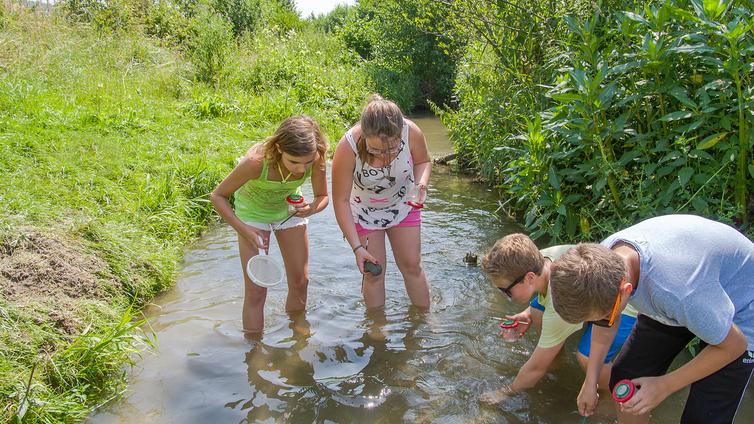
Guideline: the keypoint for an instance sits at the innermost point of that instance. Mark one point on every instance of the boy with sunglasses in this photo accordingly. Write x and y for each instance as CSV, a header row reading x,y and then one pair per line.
x,y
520,271
687,276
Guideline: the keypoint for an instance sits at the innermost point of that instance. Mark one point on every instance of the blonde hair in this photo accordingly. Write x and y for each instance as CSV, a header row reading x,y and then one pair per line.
x,y
297,136
584,280
513,256
380,118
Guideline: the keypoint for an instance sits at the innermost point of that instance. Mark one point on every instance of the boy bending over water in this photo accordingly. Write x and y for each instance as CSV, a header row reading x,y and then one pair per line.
x,y
687,276
521,271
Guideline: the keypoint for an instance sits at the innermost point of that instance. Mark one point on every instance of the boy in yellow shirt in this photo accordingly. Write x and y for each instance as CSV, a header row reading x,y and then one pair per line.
x,y
520,271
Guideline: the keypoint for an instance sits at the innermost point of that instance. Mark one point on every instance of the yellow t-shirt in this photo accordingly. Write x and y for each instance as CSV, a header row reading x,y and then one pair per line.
x,y
554,329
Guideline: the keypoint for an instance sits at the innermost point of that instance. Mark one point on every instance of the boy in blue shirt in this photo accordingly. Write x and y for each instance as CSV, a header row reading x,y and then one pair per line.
x,y
686,276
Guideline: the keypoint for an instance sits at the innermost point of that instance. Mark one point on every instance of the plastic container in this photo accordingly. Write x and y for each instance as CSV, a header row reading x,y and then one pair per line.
x,y
509,330
294,200
412,198
623,391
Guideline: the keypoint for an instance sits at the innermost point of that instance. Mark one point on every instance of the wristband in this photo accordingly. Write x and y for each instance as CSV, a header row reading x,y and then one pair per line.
x,y
358,247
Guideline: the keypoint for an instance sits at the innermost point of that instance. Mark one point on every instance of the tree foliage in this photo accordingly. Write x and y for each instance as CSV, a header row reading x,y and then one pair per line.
x,y
594,122
407,64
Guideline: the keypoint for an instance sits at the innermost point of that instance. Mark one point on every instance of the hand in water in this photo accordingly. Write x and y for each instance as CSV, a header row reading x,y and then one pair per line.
x,y
587,400
524,320
494,397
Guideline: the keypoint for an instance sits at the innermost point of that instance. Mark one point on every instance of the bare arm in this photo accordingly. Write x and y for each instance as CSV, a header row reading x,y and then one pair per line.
x,y
528,376
343,164
602,339
419,154
712,358
536,367
319,187
248,168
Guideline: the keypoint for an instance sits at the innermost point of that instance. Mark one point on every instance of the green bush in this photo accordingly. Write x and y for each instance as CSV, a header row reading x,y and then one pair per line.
x,y
652,115
107,15
165,20
407,63
615,117
210,44
244,15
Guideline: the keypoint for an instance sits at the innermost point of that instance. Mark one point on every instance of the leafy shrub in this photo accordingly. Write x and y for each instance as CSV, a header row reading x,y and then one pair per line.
x,y
632,114
244,15
165,20
109,15
210,44
407,63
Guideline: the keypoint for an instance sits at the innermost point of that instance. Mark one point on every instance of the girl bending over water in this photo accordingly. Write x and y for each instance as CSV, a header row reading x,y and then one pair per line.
x,y
378,164
262,180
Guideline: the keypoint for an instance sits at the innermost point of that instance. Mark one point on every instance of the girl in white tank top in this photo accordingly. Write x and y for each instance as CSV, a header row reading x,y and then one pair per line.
x,y
375,165
377,193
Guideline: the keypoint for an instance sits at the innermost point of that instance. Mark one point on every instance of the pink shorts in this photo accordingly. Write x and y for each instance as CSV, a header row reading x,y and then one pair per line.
x,y
413,219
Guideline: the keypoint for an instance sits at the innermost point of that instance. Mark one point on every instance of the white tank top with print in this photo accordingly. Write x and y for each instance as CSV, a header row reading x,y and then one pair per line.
x,y
377,194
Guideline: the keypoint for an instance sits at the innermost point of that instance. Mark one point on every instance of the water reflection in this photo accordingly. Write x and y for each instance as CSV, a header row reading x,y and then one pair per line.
x,y
294,376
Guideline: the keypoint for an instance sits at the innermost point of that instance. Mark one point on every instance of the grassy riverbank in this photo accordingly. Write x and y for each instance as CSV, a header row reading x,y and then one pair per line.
x,y
109,147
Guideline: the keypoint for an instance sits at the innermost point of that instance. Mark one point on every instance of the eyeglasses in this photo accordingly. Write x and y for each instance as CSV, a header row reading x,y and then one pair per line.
x,y
393,148
507,290
609,322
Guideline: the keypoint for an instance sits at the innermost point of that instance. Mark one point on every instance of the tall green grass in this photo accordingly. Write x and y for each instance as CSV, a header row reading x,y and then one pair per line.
x,y
110,143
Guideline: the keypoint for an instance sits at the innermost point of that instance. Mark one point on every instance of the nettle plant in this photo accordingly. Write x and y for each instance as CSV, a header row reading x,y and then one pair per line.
x,y
652,113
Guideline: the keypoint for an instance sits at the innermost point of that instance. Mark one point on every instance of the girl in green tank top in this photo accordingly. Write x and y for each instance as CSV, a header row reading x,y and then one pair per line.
x,y
260,184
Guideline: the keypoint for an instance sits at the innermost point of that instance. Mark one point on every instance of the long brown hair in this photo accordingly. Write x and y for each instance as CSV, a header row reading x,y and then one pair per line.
x,y
380,118
298,136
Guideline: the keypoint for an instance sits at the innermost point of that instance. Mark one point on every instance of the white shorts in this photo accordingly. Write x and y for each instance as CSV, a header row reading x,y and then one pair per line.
x,y
295,221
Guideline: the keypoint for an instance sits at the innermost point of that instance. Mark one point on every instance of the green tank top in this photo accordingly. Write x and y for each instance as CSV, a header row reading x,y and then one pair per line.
x,y
262,200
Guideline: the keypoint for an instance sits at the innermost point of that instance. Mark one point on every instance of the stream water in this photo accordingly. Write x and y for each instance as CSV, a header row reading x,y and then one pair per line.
x,y
337,364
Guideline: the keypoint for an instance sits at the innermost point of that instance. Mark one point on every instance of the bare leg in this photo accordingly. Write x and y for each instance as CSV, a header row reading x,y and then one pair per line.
x,y
604,380
254,297
294,245
373,287
377,320
406,244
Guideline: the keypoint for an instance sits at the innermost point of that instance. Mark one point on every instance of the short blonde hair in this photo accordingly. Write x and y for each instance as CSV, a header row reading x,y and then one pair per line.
x,y
513,256
584,280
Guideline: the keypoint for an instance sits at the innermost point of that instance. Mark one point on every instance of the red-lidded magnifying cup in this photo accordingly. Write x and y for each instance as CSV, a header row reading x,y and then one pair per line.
x,y
295,199
623,391
509,329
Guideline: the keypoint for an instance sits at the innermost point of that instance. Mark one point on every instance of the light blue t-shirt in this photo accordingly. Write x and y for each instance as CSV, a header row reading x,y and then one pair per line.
x,y
694,273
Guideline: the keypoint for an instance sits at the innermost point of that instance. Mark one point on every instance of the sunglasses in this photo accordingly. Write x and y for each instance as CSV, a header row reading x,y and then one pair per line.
x,y
507,290
609,322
